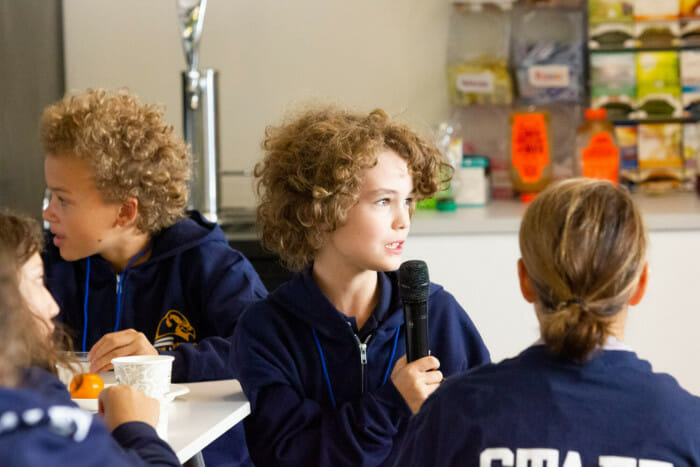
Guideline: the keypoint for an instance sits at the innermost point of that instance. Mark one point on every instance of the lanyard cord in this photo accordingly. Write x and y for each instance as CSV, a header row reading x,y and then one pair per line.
x,y
119,294
323,365
121,281
325,370
85,302
391,359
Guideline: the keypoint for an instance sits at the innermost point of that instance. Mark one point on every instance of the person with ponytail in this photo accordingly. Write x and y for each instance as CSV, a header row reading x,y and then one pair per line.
x,y
578,396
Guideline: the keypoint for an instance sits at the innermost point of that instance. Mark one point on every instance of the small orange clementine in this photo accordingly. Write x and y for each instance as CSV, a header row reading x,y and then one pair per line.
x,y
86,386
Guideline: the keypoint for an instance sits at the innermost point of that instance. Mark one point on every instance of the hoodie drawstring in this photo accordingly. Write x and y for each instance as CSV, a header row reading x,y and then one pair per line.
x,y
119,293
325,370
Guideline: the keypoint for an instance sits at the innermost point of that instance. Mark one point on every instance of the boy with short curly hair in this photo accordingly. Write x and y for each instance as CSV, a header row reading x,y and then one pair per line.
x,y
132,272
130,149
320,359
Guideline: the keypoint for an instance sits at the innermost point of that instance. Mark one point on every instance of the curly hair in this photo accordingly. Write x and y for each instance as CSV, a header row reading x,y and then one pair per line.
x,y
583,244
312,173
132,152
24,345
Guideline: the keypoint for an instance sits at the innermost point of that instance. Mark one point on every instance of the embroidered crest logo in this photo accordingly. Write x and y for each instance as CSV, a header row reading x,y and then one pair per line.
x,y
174,329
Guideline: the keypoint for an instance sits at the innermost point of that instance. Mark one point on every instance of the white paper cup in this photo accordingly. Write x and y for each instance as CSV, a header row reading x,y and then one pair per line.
x,y
148,373
66,374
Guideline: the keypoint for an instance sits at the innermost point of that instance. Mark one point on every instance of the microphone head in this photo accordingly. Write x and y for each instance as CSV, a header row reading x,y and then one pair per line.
x,y
414,284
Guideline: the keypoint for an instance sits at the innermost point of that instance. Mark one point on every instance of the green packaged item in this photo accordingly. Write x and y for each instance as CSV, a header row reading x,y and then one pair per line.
x,y
610,22
614,82
658,83
610,11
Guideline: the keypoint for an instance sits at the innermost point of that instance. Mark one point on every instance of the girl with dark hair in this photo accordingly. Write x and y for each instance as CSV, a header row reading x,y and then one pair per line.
x,y
39,424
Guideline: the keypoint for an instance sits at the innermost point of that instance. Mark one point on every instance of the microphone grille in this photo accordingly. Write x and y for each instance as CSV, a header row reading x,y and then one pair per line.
x,y
414,283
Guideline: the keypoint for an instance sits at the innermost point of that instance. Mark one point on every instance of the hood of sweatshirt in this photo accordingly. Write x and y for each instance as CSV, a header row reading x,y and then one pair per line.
x,y
302,297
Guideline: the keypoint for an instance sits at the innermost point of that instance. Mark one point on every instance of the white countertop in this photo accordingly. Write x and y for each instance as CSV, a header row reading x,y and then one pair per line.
x,y
678,211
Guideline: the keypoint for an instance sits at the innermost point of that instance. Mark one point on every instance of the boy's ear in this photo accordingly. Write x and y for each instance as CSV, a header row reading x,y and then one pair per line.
x,y
128,212
641,286
525,284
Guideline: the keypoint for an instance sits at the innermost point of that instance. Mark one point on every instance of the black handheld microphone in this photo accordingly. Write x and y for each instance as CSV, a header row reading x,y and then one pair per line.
x,y
414,288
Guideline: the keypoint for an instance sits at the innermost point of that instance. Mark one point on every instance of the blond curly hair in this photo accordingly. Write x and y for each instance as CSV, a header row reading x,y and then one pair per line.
x,y
312,173
130,149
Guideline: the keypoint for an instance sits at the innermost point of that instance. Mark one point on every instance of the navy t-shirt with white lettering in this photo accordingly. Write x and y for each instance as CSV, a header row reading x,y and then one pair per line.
x,y
536,410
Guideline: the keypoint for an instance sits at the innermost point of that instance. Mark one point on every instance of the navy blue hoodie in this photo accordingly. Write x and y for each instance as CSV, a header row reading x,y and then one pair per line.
x,y
535,409
45,428
191,289
313,401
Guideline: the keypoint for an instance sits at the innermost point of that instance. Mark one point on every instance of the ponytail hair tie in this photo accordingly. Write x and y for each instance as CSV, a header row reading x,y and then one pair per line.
x,y
576,300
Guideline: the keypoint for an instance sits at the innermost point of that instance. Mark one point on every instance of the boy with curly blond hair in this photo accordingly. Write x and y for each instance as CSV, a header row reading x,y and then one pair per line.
x,y
132,272
322,359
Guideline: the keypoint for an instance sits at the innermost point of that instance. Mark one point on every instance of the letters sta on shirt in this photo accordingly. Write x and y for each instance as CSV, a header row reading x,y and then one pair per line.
x,y
543,457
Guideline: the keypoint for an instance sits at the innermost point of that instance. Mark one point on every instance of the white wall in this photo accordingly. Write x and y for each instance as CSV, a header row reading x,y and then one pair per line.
x,y
270,54
480,271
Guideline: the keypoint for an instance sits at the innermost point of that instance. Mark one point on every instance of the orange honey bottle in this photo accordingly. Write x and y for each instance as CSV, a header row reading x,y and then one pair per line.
x,y
597,154
530,150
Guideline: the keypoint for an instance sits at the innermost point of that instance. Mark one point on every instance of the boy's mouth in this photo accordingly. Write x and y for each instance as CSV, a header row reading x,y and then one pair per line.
x,y
394,246
58,239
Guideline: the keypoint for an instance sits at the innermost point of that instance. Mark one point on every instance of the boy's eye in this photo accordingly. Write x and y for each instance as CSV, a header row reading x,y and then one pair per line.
x,y
409,201
383,202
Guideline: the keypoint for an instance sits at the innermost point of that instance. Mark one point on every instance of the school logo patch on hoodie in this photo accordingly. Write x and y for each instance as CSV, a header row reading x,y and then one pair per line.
x,y
174,329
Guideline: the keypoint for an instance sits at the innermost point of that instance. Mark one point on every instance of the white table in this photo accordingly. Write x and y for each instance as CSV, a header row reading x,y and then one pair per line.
x,y
199,417
206,412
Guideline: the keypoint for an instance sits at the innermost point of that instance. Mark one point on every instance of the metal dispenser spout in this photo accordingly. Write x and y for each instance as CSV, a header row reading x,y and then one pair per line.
x,y
200,122
191,16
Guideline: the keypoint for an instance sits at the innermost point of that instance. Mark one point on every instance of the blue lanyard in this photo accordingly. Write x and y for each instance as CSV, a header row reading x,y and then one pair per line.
x,y
119,293
325,370
121,281
85,302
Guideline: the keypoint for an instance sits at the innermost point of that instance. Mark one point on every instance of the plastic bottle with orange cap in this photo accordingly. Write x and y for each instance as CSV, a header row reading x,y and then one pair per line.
x,y
597,152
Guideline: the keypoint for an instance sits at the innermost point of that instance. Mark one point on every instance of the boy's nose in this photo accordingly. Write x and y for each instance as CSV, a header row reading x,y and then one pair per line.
x,y
402,220
48,214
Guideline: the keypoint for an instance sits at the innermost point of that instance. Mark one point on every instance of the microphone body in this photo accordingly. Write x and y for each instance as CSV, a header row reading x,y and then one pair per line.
x,y
414,289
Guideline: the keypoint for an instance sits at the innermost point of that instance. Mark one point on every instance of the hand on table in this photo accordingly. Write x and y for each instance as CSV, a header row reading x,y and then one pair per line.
x,y
416,380
121,404
118,344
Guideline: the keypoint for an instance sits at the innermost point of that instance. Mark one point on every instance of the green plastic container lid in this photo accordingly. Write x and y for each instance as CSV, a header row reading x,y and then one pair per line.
x,y
446,205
